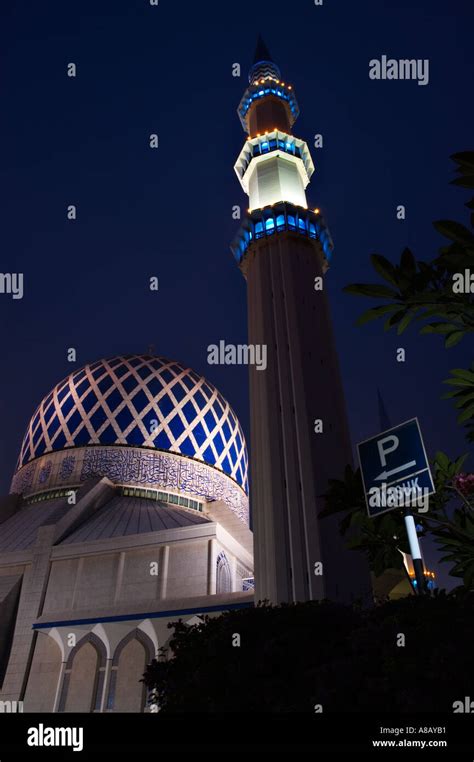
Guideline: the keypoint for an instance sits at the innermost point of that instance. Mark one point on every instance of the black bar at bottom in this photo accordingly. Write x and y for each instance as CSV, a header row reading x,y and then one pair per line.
x,y
432,736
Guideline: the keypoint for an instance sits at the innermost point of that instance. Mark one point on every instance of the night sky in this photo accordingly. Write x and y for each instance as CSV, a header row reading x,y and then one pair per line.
x,y
168,212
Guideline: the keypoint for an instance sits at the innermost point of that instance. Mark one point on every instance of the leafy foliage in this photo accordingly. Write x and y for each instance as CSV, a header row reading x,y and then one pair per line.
x,y
454,533
294,657
422,291
463,397
444,473
457,543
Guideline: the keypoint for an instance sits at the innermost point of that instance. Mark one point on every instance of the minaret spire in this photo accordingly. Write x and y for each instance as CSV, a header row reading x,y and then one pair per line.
x,y
299,434
261,51
264,66
384,420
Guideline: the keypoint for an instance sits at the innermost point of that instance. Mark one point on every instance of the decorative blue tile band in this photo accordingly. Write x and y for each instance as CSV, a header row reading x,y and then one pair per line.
x,y
269,87
271,220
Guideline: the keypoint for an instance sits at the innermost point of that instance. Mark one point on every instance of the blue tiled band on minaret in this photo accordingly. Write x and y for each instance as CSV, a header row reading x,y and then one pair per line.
x,y
279,218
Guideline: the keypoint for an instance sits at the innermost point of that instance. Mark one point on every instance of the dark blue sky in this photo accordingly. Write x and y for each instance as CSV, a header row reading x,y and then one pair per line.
x,y
168,69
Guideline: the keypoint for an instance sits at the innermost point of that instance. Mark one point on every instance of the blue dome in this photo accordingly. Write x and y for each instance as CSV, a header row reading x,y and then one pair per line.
x,y
140,401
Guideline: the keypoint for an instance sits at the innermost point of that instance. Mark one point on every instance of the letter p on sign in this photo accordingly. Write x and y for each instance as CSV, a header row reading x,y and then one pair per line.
x,y
383,451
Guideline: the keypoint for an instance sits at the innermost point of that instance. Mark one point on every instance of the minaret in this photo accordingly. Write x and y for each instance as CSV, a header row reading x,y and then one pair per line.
x,y
384,420
283,250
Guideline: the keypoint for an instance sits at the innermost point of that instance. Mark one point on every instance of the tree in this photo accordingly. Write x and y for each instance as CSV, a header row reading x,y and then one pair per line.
x,y
463,397
320,655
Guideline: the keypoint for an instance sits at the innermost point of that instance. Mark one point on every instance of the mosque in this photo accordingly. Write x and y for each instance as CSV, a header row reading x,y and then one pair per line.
x,y
128,509
129,505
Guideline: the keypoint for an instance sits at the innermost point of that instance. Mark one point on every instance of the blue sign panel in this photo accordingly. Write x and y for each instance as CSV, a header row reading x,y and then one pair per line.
x,y
395,469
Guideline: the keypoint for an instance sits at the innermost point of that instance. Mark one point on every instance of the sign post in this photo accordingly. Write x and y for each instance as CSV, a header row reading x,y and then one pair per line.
x,y
396,474
415,552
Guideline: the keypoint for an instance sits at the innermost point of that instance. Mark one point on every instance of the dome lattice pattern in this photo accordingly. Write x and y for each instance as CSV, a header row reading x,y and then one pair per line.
x,y
140,401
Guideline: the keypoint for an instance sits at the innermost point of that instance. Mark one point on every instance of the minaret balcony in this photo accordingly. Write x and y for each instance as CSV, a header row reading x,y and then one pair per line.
x,y
267,88
282,218
273,143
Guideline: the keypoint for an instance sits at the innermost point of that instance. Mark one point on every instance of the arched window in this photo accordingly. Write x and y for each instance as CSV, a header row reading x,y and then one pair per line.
x,y
223,577
83,681
126,692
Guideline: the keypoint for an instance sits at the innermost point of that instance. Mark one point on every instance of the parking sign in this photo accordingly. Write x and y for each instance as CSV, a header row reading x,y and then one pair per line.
x,y
395,462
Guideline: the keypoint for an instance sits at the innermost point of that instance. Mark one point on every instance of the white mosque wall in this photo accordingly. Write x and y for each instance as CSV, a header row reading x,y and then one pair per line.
x,y
44,675
96,582
102,671
98,592
188,570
